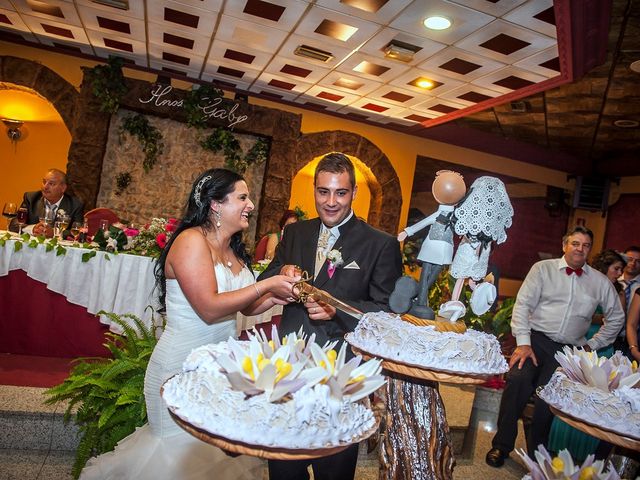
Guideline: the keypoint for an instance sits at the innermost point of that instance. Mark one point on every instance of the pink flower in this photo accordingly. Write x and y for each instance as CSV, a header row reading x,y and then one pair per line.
x,y
131,232
331,269
161,240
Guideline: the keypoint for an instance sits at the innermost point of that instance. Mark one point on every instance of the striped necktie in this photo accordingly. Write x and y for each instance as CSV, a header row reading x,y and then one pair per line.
x,y
323,249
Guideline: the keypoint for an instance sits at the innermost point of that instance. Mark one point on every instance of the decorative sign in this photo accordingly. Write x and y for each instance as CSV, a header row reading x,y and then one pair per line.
x,y
213,108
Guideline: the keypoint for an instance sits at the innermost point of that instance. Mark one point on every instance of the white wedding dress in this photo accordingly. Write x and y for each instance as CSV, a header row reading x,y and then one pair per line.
x,y
161,449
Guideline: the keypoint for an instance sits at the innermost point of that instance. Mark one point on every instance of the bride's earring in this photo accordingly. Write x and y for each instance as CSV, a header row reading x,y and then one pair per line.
x,y
218,215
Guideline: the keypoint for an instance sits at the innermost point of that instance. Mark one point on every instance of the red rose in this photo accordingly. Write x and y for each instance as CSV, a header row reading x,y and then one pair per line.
x,y
170,227
161,240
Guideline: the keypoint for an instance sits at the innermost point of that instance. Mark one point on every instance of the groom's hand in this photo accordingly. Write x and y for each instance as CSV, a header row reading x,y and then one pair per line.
x,y
319,310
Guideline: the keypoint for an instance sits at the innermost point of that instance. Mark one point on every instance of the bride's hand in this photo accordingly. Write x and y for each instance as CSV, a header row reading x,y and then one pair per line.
x,y
280,286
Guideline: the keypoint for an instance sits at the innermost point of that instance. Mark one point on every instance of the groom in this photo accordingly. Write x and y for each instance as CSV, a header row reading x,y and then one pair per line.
x,y
350,260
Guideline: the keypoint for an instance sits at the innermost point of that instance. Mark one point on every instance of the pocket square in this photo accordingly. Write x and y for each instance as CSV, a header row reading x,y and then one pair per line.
x,y
353,266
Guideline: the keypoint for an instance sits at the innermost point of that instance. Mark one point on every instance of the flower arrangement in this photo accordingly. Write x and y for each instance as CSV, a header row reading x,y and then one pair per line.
x,y
152,238
279,368
563,468
335,260
607,374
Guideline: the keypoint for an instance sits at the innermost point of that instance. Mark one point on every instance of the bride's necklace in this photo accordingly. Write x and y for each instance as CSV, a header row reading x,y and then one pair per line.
x,y
227,262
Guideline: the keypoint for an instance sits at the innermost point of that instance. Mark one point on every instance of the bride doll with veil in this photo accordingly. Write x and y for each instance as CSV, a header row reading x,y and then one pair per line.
x,y
204,279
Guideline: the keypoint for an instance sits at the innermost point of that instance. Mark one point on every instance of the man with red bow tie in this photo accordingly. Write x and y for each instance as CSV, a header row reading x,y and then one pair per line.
x,y
553,308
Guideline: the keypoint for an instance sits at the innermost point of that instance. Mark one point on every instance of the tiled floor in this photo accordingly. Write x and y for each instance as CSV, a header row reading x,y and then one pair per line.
x,y
51,464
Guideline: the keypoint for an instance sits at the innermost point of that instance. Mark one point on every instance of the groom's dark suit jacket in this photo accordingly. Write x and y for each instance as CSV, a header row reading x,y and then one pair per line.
x,y
372,264
34,203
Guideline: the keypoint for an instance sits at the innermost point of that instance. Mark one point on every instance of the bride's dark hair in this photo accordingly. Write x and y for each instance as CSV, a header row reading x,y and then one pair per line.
x,y
213,185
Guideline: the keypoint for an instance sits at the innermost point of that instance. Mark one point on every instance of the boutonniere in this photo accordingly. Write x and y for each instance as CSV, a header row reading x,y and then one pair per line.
x,y
335,260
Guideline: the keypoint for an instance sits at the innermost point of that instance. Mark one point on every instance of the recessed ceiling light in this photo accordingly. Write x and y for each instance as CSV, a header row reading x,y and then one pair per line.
x,y
424,83
626,123
437,23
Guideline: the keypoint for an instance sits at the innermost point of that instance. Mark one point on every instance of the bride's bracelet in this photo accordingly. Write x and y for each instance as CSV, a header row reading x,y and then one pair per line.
x,y
257,291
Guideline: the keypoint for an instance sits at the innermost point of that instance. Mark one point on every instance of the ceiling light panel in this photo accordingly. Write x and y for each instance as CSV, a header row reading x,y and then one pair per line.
x,y
249,34
375,46
282,82
228,69
497,8
534,15
376,107
192,72
503,34
378,11
446,83
349,83
288,12
464,20
493,80
460,64
317,15
535,63
393,69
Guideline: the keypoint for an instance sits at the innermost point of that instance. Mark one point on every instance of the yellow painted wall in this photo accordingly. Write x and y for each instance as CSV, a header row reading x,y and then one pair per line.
x,y
302,192
44,144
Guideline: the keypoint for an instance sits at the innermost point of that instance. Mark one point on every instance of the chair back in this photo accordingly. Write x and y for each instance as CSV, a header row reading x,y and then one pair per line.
x,y
261,249
94,216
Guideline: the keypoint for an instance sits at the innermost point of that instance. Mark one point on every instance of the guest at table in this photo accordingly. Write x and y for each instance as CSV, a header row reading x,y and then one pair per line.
x,y
47,202
553,308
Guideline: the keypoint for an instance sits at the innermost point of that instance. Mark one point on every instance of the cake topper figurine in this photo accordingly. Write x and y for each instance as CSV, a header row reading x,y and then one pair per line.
x,y
448,189
482,217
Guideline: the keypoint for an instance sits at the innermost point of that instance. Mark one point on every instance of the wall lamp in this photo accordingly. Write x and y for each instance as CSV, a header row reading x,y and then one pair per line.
x,y
13,129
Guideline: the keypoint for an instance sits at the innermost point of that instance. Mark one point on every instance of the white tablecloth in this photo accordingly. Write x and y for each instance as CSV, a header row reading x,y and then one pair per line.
x,y
119,283
114,283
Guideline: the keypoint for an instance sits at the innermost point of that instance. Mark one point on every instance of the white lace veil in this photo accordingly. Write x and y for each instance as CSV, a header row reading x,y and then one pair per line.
x,y
486,209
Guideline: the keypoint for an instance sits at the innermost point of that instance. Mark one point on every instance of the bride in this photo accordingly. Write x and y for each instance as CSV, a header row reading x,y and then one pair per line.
x,y
204,279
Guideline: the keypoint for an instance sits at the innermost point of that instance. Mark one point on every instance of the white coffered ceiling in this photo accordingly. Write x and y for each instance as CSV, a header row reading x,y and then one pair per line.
x,y
493,48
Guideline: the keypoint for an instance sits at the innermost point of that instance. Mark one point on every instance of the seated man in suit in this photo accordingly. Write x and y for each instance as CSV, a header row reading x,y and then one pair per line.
x,y
369,265
47,202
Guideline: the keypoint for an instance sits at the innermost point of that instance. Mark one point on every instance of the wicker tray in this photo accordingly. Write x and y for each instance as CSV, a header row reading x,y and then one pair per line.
x,y
262,451
423,373
441,324
597,431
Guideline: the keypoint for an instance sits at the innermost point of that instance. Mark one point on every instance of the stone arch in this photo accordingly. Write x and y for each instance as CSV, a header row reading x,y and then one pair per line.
x,y
382,180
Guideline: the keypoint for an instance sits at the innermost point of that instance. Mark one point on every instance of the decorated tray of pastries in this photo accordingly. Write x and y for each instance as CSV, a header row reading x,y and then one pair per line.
x,y
276,399
597,395
421,351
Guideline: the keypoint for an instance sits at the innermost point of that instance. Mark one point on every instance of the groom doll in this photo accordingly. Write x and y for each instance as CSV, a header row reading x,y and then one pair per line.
x,y
350,260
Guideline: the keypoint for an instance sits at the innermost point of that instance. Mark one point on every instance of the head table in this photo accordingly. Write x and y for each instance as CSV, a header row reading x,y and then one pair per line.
x,y
49,302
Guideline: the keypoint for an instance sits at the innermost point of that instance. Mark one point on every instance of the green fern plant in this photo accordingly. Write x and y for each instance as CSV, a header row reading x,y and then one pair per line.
x,y
108,392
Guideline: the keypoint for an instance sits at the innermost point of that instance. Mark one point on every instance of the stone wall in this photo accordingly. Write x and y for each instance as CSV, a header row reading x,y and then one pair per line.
x,y
163,191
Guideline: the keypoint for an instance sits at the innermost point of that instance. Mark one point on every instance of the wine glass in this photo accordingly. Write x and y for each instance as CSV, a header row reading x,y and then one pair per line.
x,y
9,211
76,227
22,218
63,223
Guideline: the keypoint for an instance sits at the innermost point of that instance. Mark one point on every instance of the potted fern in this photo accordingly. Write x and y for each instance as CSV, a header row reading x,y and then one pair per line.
x,y
107,394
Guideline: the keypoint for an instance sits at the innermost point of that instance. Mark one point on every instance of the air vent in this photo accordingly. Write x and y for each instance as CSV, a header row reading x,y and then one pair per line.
x,y
592,193
121,4
401,51
313,53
